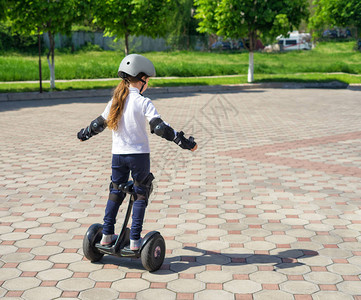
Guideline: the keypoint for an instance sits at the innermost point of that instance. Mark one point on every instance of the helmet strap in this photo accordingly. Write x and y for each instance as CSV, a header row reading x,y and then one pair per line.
x,y
144,83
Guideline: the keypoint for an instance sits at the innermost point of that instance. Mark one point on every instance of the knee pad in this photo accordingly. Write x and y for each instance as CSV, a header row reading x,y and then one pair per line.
x,y
115,195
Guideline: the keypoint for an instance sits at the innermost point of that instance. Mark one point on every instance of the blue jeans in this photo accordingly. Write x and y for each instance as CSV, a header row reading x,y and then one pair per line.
x,y
139,167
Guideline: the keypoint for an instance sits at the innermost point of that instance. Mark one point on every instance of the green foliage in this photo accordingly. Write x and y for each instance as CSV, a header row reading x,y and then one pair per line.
x,y
17,42
206,12
122,18
336,13
3,5
252,19
27,16
30,17
182,26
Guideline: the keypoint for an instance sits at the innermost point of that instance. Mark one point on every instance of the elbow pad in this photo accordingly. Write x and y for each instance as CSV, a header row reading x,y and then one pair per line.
x,y
161,129
97,126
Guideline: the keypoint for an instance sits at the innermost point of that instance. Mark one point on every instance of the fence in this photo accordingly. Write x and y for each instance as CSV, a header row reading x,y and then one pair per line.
x,y
136,44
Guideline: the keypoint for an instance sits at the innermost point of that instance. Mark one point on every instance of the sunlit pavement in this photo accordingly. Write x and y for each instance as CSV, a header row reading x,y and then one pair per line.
x,y
268,207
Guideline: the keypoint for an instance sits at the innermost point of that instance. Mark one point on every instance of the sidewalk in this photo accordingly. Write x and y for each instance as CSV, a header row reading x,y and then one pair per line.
x,y
268,207
181,89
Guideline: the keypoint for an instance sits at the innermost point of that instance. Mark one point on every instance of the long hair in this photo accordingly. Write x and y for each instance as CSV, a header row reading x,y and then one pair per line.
x,y
120,95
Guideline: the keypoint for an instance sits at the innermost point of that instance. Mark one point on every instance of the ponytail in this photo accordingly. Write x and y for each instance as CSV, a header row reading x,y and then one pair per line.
x,y
120,94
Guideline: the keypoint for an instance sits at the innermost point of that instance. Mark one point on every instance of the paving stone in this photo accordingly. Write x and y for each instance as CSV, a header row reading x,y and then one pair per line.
x,y
242,286
256,232
352,246
160,276
57,237
47,250
345,269
281,239
350,287
186,267
17,257
84,266
299,287
9,274
75,284
214,277
35,265
14,236
186,285
7,249
335,253
160,294
334,295
21,283
99,294
272,295
259,245
65,258
213,295
212,245
323,277
267,277
55,274
42,293
316,261
107,275
130,285
292,268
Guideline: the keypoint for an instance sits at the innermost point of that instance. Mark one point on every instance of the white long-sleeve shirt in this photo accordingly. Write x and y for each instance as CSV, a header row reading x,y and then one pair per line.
x,y
131,136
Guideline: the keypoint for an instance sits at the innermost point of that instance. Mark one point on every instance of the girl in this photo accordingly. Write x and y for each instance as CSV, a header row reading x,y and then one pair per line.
x,y
126,115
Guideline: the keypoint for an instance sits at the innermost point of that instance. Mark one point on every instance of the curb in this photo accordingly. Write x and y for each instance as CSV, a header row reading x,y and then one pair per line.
x,y
181,89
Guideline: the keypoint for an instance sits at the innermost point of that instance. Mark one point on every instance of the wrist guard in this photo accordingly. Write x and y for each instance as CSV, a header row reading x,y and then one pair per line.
x,y
183,142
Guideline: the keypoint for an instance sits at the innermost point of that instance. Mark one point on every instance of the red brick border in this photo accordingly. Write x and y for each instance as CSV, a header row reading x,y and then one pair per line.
x,y
259,153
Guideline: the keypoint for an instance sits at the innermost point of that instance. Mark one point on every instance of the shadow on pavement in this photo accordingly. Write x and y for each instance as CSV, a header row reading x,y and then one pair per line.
x,y
282,260
154,96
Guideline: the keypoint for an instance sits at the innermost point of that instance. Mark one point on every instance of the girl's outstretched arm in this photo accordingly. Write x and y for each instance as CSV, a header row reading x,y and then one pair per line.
x,y
95,127
162,129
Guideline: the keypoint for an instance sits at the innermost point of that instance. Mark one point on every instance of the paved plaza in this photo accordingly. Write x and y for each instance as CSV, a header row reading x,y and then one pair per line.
x,y
269,207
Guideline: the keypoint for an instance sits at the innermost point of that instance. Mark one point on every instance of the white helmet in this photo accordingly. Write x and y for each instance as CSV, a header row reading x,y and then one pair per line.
x,y
134,64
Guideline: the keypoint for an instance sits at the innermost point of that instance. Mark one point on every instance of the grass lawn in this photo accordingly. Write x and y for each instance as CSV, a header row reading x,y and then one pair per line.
x,y
288,66
186,81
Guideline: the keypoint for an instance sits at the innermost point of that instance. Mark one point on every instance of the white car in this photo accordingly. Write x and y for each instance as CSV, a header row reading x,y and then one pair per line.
x,y
296,41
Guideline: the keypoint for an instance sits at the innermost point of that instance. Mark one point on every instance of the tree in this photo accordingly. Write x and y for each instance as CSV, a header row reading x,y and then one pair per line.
x,y
35,17
250,19
122,18
341,13
182,25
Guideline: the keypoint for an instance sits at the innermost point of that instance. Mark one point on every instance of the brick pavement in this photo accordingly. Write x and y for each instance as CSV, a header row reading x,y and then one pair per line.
x,y
267,208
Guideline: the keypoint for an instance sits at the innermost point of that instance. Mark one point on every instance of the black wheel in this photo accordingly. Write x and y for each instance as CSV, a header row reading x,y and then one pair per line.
x,y
153,253
92,236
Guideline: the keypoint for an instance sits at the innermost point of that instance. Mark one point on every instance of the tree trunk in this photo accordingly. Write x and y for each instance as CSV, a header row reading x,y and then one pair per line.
x,y
126,44
251,64
250,67
52,62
